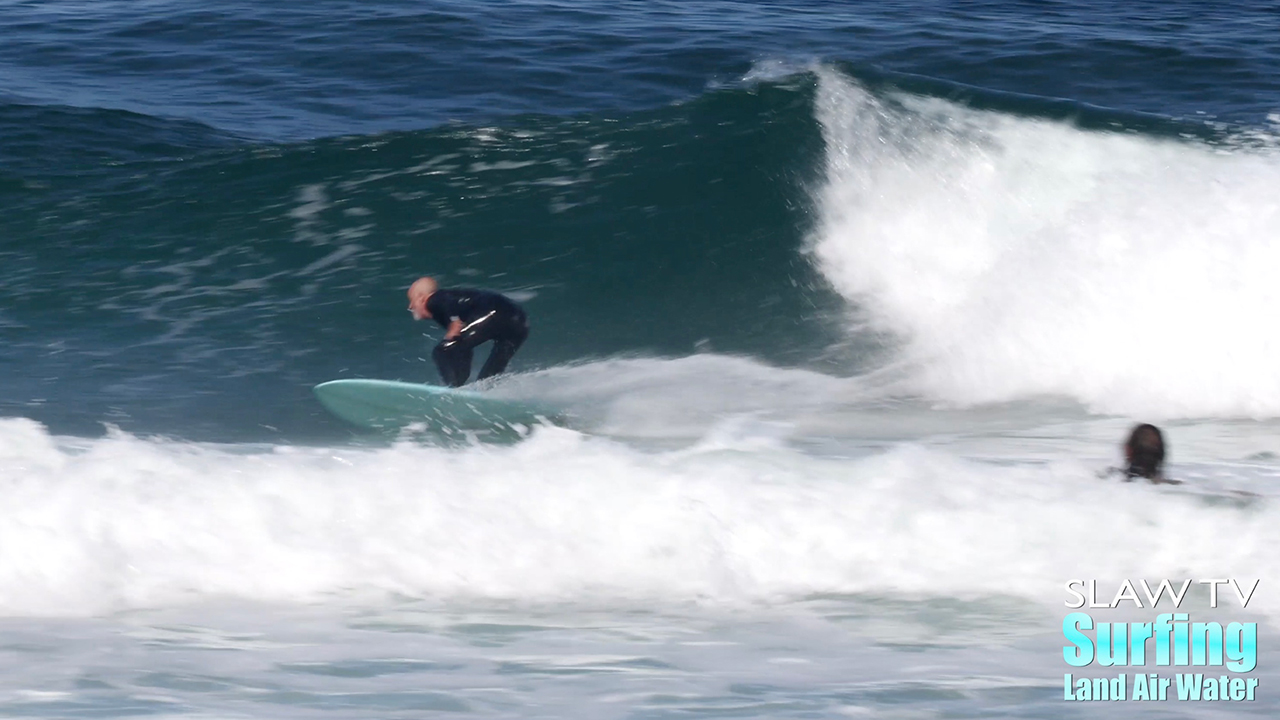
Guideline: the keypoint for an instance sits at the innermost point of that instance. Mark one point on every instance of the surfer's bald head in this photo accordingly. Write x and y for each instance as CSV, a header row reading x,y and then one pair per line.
x,y
423,286
1144,452
419,291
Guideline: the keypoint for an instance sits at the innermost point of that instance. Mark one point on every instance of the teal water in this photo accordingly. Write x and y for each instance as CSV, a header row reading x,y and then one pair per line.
x,y
246,270
211,205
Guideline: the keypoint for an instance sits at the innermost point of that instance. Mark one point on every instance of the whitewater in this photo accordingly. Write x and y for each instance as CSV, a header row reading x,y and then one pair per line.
x,y
736,519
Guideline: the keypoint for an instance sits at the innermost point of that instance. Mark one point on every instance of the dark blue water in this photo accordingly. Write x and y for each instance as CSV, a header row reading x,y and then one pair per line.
x,y
277,71
210,208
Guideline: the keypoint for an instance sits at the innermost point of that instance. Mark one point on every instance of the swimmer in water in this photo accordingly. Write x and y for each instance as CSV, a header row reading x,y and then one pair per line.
x,y
1144,455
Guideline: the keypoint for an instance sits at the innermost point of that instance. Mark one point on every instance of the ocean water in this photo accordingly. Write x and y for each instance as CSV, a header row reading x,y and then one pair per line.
x,y
849,304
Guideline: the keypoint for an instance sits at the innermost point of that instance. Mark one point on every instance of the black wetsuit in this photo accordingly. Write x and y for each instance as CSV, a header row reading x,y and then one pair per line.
x,y
485,316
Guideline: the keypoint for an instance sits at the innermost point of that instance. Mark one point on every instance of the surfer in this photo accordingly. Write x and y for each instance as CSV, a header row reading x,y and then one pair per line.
x,y
469,317
1144,455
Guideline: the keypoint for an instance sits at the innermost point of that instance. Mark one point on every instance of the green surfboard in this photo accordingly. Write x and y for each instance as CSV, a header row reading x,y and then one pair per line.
x,y
391,404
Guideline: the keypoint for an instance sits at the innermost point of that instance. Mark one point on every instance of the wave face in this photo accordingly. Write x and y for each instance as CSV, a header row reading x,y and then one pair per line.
x,y
191,242
167,272
1011,257
160,273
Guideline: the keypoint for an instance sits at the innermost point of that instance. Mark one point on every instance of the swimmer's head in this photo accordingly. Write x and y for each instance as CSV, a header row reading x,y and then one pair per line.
x,y
1144,452
419,291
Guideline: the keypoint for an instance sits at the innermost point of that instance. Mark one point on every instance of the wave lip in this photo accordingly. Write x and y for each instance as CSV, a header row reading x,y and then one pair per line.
x,y
1012,257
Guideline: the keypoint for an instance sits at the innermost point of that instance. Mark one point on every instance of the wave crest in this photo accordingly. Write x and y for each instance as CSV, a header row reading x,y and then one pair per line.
x,y
1013,257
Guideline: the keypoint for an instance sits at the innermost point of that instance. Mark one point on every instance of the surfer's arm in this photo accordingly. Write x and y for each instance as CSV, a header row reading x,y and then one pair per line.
x,y
455,328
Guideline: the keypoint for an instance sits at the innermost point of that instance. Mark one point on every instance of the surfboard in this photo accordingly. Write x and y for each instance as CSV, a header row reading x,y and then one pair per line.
x,y
391,404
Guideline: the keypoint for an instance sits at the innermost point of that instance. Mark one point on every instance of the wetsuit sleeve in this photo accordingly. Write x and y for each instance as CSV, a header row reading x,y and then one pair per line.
x,y
441,309
446,306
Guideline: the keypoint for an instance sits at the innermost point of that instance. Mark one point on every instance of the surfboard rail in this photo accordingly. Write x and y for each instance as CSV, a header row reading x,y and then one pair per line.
x,y
394,404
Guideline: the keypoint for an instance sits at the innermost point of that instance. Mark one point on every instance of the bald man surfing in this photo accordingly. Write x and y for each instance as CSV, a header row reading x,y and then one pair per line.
x,y
469,317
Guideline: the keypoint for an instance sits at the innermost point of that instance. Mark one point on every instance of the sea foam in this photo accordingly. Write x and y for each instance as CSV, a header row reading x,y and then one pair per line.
x,y
97,525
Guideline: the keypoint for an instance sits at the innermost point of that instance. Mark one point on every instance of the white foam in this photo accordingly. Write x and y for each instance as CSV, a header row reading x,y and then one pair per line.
x,y
1014,257
679,398
92,526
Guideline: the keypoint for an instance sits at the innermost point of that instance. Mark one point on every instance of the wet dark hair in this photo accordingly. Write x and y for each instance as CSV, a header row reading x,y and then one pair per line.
x,y
1144,451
